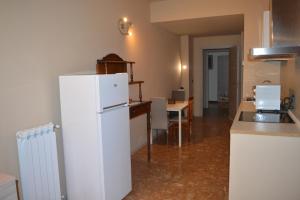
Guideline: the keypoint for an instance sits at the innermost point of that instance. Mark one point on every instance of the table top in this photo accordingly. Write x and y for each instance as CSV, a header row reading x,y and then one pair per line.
x,y
138,103
178,106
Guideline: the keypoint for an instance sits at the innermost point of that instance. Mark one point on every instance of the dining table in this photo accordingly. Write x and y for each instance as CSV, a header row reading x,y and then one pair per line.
x,y
178,106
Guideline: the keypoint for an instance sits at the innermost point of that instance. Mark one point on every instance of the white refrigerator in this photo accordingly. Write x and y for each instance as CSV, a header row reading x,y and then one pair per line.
x,y
96,141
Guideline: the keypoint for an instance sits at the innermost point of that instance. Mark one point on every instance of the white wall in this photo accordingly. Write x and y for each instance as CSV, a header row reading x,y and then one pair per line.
x,y
191,67
253,72
41,40
200,43
290,73
185,61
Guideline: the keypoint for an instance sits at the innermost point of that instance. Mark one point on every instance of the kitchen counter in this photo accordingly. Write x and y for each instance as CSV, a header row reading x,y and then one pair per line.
x,y
264,159
257,128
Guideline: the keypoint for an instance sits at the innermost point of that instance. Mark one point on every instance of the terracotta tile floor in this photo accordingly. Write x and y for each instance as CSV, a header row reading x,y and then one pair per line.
x,y
199,170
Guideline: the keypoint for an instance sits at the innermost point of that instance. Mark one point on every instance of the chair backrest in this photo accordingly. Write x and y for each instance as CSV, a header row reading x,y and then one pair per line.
x,y
178,95
190,109
159,117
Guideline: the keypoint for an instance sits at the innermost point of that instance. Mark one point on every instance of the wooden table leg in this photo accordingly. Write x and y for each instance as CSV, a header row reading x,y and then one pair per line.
x,y
148,136
140,92
17,188
142,109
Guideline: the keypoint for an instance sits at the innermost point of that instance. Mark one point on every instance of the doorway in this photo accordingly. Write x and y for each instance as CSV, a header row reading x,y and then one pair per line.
x,y
221,80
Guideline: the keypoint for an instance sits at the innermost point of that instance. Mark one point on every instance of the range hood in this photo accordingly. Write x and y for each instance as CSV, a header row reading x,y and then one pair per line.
x,y
284,32
275,53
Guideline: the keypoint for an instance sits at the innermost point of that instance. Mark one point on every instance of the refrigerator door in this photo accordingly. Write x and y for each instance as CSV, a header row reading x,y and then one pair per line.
x,y
113,90
116,161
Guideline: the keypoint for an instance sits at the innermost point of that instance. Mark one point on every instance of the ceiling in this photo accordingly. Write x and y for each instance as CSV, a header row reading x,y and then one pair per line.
x,y
221,25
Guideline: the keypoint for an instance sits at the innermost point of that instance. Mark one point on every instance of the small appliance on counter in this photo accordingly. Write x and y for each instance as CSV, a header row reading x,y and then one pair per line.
x,y
267,103
267,97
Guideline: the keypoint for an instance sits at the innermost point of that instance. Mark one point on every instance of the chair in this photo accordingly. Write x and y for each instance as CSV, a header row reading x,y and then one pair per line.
x,y
159,117
178,95
186,121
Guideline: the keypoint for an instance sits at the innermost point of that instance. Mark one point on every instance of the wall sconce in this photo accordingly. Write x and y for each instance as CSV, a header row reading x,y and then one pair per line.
x,y
124,26
184,67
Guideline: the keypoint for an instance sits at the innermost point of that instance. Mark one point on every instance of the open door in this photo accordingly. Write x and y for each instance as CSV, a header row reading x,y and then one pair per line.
x,y
234,82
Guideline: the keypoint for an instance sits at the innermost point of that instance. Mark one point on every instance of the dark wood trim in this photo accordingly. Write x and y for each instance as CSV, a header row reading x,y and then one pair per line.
x,y
135,82
114,61
216,50
18,191
113,58
111,64
131,72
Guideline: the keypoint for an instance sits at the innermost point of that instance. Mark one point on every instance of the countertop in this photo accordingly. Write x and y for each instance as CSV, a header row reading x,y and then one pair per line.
x,y
268,129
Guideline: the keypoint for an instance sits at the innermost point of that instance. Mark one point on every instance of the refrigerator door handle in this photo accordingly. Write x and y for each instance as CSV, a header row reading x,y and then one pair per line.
x,y
109,108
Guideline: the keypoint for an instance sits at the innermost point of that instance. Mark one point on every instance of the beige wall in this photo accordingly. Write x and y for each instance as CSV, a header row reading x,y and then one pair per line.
x,y
200,43
185,61
41,40
290,79
170,10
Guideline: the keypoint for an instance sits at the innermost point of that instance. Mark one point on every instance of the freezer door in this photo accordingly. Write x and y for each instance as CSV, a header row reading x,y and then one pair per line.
x,y
113,90
116,161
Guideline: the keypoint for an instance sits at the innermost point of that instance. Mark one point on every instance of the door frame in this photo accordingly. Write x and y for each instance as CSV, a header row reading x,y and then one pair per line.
x,y
205,72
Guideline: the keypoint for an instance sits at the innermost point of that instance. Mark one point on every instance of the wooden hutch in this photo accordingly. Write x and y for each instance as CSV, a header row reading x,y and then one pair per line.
x,y
111,64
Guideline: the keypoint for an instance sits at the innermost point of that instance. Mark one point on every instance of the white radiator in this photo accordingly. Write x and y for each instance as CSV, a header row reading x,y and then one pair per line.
x,y
38,163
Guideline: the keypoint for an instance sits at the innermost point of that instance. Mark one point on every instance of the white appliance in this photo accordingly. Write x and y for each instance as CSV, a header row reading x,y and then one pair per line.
x,y
95,126
39,170
267,97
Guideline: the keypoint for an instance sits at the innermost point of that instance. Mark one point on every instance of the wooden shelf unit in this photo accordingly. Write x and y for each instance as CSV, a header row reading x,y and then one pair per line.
x,y
135,82
140,88
112,63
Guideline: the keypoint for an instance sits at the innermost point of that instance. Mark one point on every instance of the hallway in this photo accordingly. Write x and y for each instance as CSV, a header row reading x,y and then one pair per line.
x,y
199,170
